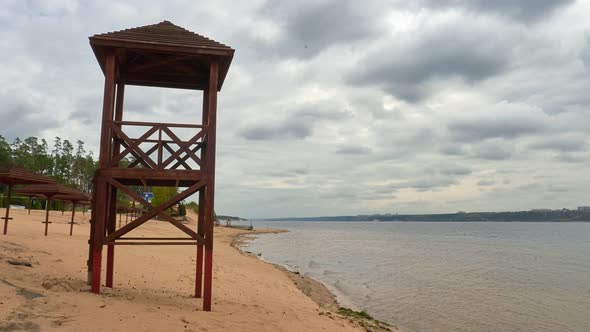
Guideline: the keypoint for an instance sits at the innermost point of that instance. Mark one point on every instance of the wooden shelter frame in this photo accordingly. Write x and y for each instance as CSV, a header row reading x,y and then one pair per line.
x,y
75,199
12,176
52,191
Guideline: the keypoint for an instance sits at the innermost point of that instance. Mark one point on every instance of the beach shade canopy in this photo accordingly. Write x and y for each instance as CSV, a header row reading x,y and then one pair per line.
x,y
80,198
163,55
50,192
13,175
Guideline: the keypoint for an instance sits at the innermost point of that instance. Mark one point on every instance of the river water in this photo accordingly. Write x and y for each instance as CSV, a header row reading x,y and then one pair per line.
x,y
448,276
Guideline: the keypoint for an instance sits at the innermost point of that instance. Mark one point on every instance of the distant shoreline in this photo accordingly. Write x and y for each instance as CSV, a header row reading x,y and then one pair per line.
x,y
563,215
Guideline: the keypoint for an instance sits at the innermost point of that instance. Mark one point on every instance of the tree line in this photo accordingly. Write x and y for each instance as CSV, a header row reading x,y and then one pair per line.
x,y
68,163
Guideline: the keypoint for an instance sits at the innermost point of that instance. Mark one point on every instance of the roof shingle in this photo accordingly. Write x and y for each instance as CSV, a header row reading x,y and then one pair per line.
x,y
164,32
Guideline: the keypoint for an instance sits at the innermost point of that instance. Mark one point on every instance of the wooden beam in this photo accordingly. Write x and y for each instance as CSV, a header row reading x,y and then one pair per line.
x,y
162,214
179,161
159,62
7,217
210,193
150,213
177,243
184,147
152,124
99,207
72,221
133,145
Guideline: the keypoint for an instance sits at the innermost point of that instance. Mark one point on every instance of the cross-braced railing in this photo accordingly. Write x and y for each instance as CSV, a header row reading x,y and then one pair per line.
x,y
171,152
153,211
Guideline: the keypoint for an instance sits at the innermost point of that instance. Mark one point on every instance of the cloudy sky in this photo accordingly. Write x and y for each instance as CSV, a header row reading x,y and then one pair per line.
x,y
340,107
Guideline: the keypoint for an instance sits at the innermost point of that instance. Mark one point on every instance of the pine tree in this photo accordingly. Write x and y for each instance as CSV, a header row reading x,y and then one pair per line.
x,y
5,152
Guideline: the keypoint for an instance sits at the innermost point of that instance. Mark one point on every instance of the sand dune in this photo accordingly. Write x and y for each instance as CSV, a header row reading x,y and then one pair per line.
x,y
153,286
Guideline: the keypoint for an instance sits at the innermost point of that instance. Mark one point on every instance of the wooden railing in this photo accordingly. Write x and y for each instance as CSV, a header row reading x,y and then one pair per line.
x,y
170,151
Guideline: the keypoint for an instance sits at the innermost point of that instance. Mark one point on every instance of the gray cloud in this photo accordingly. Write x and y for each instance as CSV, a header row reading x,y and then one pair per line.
x,y
455,170
468,129
297,125
26,118
309,27
448,52
354,150
499,121
525,10
496,150
572,158
428,184
585,53
561,144
486,183
286,130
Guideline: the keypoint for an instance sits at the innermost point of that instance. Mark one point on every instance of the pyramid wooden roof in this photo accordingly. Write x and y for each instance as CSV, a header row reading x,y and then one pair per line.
x,y
163,55
16,175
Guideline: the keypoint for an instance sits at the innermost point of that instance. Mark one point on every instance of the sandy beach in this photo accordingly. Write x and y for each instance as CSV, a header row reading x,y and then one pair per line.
x,y
153,285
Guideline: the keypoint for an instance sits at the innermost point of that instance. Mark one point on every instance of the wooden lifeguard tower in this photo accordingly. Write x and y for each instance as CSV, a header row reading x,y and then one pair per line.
x,y
167,56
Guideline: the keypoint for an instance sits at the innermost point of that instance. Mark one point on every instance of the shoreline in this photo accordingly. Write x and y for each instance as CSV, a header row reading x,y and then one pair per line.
x,y
312,288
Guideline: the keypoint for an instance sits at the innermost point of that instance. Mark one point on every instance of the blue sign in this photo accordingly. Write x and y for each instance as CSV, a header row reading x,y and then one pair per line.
x,y
148,196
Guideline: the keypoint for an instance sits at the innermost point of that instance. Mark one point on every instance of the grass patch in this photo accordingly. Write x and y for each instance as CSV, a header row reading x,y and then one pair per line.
x,y
354,314
365,320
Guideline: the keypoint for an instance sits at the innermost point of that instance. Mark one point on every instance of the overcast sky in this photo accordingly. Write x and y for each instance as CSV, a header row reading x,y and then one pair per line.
x,y
340,107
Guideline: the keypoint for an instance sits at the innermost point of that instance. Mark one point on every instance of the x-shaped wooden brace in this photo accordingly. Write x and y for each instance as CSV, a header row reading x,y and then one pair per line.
x,y
183,146
138,161
132,146
155,211
181,160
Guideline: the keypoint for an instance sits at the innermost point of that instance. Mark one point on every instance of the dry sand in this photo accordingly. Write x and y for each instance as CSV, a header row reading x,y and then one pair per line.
x,y
153,285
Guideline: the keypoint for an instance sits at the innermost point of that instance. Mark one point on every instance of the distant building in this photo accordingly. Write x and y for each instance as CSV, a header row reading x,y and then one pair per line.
x,y
584,208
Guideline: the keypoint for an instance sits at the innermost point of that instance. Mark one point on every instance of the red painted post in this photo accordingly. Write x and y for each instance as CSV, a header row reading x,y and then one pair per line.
x,y
100,204
111,224
207,293
110,265
201,220
210,191
112,206
7,209
99,215
201,231
199,276
96,269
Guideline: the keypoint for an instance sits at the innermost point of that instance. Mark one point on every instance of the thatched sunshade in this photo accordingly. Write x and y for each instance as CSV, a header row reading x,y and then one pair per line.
x,y
50,192
13,175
